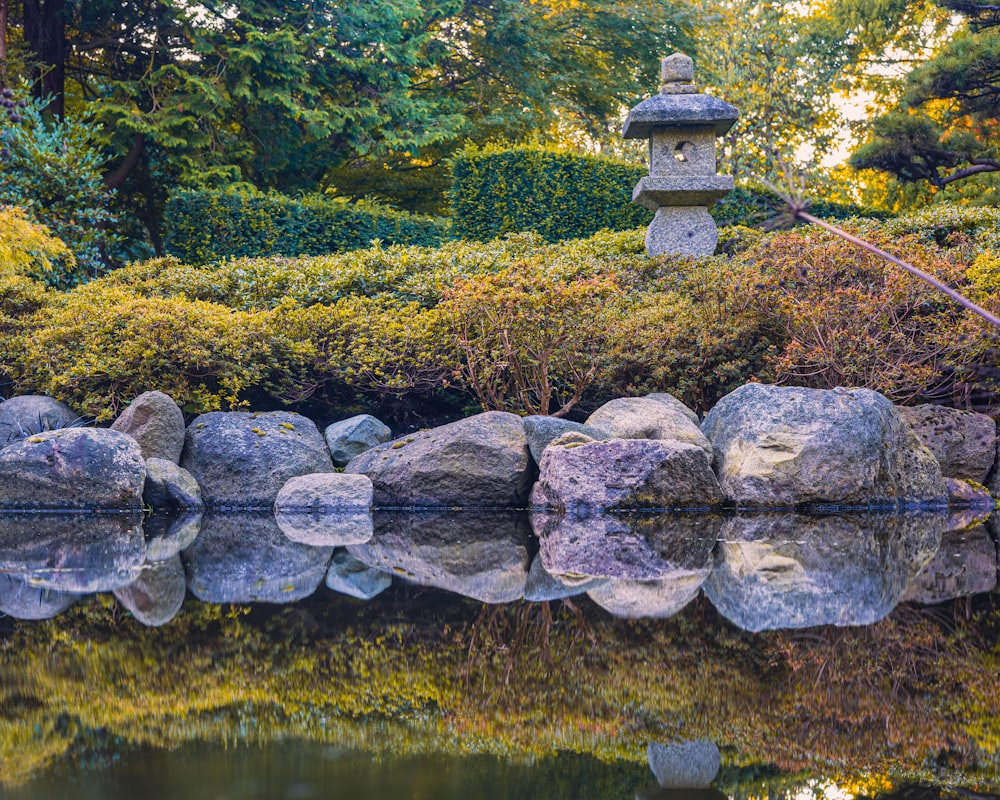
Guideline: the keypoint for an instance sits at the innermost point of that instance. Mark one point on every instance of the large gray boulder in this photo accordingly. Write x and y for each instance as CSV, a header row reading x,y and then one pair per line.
x,y
72,468
963,442
75,553
242,459
478,461
786,446
351,437
27,415
649,418
624,473
684,765
170,486
965,564
326,509
543,430
787,570
156,596
483,555
670,400
156,422
243,557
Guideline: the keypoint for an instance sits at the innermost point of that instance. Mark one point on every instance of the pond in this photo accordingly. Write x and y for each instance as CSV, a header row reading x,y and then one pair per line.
x,y
497,654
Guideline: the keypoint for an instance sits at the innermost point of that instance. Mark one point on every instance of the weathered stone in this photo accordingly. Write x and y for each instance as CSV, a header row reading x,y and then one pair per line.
x,y
684,201
965,564
242,460
479,461
679,110
541,431
684,765
963,494
351,437
677,68
28,415
785,446
673,402
482,555
243,557
648,418
639,547
168,532
963,442
788,570
170,486
625,473
657,599
72,468
23,600
326,509
349,576
73,553
158,594
156,422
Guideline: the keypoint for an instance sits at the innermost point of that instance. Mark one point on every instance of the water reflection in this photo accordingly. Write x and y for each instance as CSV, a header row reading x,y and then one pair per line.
x,y
794,571
243,557
761,571
484,555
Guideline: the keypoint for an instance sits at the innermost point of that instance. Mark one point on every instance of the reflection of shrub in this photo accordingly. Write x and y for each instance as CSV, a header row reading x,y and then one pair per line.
x,y
852,319
530,342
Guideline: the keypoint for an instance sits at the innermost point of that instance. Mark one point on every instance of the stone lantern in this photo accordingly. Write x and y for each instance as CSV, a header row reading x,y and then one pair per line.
x,y
681,125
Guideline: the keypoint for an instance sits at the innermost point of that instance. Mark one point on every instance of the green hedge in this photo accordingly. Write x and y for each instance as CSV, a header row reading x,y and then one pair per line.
x,y
206,226
562,195
558,195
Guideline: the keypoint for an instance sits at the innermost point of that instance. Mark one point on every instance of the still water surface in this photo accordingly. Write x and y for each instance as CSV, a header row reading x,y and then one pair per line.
x,y
494,654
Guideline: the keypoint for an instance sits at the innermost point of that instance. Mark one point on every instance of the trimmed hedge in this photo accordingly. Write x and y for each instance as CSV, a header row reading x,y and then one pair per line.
x,y
207,226
558,195
562,195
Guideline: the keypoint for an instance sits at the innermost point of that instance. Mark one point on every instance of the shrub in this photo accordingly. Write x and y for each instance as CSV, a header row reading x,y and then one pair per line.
x,y
52,169
530,342
852,319
206,226
557,194
698,336
29,248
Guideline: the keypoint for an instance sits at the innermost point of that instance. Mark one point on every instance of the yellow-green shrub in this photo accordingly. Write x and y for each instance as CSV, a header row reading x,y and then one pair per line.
x,y
99,347
28,247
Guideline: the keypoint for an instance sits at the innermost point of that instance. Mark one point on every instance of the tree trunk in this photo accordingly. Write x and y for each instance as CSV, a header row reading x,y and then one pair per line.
x,y
3,43
45,35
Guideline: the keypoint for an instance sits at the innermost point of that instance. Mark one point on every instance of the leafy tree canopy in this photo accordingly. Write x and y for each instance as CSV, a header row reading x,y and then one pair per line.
x,y
944,128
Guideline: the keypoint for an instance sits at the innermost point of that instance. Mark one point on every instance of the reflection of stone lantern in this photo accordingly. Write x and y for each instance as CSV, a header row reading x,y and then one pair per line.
x,y
681,126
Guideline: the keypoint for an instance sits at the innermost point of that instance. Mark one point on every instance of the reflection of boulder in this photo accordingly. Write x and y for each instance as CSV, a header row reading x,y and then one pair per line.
x,y
787,446
651,565
639,599
482,555
639,547
349,576
73,553
659,793
795,571
684,765
965,564
543,586
169,532
72,468
241,557
157,594
22,600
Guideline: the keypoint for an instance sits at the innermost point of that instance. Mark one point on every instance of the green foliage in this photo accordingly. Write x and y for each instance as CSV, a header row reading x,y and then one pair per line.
x,y
52,169
559,195
206,226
